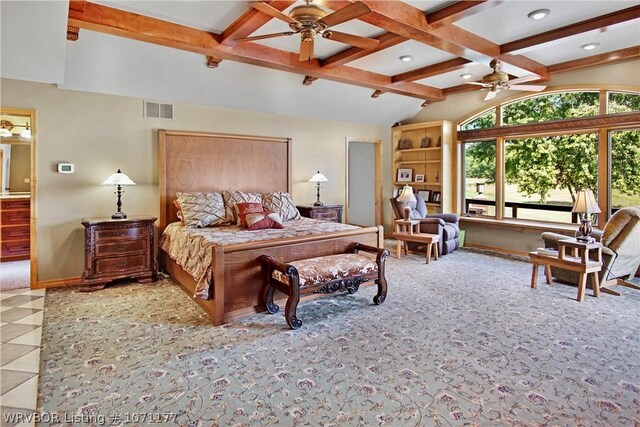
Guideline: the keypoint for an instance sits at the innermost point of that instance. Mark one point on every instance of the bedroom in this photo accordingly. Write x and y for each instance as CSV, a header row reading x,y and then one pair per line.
x,y
90,121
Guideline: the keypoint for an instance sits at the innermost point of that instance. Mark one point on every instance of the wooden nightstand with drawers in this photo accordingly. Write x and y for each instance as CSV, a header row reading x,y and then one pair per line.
x,y
118,249
326,213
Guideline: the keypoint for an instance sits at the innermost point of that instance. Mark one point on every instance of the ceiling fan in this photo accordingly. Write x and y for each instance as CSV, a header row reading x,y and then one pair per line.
x,y
310,20
498,80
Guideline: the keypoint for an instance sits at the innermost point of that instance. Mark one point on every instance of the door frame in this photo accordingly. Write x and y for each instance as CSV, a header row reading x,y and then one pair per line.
x,y
377,173
33,251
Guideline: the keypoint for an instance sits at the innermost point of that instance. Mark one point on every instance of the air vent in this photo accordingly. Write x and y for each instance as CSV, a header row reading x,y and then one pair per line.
x,y
158,110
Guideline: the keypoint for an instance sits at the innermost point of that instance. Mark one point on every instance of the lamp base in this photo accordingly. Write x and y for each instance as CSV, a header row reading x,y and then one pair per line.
x,y
318,203
119,215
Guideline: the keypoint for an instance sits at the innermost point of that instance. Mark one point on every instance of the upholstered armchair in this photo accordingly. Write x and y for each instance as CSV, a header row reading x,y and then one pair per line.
x,y
444,225
620,238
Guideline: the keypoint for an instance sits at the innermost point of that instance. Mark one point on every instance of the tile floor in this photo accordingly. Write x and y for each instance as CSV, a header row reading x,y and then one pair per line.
x,y
21,312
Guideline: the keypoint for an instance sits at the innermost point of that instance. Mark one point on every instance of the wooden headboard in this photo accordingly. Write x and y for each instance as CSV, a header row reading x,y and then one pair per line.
x,y
214,162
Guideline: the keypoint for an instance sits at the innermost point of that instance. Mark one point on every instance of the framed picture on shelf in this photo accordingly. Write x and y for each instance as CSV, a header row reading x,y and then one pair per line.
x,y
405,175
419,177
436,197
425,195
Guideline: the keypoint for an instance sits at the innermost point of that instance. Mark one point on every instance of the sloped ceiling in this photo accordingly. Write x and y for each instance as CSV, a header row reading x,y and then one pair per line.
x,y
109,60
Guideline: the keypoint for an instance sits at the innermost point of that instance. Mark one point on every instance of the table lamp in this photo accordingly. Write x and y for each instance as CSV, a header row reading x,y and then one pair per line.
x,y
318,178
406,197
586,205
119,179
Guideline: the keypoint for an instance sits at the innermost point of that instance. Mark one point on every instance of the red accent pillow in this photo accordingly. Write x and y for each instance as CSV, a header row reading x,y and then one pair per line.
x,y
253,217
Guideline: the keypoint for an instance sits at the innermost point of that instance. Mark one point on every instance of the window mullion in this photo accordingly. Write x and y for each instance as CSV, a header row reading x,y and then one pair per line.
x,y
500,184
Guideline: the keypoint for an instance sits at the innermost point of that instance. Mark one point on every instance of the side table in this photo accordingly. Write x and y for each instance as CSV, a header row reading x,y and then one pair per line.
x,y
408,230
578,260
331,213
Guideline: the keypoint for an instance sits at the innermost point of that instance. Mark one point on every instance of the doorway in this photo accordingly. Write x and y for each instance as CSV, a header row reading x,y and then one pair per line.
x,y
18,255
364,182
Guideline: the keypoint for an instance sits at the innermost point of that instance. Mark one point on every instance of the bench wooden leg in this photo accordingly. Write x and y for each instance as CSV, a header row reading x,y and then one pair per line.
x,y
428,256
547,273
268,299
292,302
534,276
382,281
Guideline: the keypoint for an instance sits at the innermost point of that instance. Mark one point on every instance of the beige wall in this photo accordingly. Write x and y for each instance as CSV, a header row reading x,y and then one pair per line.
x,y
460,106
101,133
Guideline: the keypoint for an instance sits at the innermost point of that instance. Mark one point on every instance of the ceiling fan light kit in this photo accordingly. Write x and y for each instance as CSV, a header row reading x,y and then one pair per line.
x,y
310,20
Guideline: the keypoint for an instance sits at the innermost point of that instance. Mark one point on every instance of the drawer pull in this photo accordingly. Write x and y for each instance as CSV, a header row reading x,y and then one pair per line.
x,y
120,248
122,264
120,233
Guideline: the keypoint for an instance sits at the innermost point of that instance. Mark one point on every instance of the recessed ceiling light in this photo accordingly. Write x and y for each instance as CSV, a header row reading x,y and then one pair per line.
x,y
466,76
406,58
590,46
538,14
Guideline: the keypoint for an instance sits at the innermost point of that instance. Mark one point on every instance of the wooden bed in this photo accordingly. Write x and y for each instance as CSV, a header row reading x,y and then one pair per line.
x,y
193,161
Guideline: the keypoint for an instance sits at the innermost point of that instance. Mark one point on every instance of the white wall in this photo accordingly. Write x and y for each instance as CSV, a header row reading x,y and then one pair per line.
x,y
101,133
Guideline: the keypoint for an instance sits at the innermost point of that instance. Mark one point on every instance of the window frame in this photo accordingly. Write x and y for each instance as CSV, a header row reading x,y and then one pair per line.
x,y
601,124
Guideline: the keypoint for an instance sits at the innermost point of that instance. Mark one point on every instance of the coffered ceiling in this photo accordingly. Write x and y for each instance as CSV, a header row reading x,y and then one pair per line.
x,y
188,51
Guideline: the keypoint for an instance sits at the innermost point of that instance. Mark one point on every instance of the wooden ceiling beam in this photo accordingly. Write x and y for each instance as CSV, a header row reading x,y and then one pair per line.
x,y
351,54
408,21
595,60
131,25
455,12
430,70
625,16
249,22
459,89
143,28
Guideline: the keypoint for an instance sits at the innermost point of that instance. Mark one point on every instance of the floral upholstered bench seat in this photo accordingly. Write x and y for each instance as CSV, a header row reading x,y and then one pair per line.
x,y
323,275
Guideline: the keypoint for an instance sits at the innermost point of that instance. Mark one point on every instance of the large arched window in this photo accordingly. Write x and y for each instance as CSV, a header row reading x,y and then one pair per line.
x,y
528,158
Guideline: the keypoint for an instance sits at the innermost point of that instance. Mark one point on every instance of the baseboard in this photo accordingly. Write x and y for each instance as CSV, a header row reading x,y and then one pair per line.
x,y
58,283
491,248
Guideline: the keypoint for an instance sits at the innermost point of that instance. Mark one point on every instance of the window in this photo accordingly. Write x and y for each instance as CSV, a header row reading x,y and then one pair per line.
x,y
625,168
543,175
480,178
546,156
554,106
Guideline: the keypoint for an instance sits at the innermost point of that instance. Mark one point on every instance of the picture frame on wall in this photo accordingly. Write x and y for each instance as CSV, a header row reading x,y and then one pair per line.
x,y
436,197
405,175
419,177
425,195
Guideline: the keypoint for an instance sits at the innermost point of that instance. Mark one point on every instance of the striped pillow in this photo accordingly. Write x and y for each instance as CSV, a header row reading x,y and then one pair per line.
x,y
202,209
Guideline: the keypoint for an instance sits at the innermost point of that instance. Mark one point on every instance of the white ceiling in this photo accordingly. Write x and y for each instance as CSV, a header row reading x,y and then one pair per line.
x,y
34,47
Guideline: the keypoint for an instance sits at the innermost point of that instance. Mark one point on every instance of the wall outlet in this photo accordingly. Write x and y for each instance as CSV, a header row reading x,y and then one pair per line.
x,y
27,180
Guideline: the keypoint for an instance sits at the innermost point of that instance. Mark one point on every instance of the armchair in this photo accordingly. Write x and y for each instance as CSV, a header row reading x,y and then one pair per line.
x,y
620,238
444,225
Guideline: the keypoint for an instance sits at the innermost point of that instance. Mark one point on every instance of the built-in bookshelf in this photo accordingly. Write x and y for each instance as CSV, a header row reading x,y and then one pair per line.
x,y
422,159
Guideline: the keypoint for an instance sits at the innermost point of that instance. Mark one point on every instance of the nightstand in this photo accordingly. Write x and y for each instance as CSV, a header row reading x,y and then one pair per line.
x,y
331,213
118,249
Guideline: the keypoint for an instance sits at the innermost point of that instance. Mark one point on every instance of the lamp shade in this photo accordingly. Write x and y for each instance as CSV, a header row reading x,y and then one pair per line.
x,y
318,177
585,203
5,132
407,196
118,178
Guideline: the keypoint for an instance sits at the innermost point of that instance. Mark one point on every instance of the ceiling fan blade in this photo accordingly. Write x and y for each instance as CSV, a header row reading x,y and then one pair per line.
x,y
264,36
530,88
271,11
353,40
347,13
306,50
478,83
523,79
491,94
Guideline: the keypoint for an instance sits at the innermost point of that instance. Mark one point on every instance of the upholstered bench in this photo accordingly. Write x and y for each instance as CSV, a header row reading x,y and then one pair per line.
x,y
323,275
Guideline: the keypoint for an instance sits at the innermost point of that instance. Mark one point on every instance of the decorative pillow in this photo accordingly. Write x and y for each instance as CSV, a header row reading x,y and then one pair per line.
x,y
253,217
179,212
281,203
231,199
202,209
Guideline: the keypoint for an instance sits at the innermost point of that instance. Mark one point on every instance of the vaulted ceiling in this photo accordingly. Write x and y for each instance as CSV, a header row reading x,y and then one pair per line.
x,y
191,51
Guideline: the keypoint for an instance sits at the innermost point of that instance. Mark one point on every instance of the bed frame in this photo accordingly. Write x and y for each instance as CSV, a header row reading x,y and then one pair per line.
x,y
195,161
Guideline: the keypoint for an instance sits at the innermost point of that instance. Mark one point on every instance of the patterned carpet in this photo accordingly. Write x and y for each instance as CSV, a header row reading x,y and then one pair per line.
x,y
461,341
